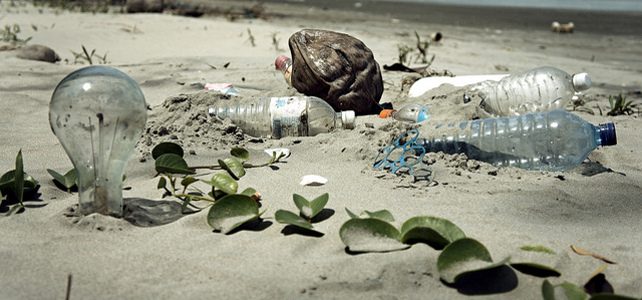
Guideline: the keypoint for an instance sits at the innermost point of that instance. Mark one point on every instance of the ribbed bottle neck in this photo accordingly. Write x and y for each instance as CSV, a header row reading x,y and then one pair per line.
x,y
606,135
344,119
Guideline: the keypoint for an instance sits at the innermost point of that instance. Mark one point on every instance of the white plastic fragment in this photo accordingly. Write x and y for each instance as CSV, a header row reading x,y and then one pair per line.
x,y
313,180
424,85
223,88
278,152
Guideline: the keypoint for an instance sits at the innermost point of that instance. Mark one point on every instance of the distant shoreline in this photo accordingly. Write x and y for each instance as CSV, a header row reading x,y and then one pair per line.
x,y
573,5
600,22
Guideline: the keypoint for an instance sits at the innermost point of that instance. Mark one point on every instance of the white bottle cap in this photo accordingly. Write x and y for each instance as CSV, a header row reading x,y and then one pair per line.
x,y
348,118
581,82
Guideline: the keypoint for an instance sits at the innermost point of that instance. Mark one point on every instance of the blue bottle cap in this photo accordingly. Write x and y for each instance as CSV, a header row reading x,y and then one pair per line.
x,y
607,134
422,115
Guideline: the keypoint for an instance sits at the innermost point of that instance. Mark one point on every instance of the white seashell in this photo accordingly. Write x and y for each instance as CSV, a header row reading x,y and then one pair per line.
x,y
279,151
313,180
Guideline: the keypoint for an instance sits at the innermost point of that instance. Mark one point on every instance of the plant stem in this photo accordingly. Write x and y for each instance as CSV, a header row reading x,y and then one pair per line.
x,y
245,165
194,197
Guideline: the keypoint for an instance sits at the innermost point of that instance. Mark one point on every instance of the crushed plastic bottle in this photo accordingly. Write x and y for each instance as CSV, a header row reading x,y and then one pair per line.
x,y
412,112
278,117
538,90
551,141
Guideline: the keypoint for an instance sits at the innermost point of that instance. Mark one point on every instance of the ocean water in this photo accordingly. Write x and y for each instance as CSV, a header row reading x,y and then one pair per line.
x,y
590,5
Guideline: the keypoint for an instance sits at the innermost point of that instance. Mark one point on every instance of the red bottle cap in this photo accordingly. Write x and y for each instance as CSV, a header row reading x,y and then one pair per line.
x,y
281,62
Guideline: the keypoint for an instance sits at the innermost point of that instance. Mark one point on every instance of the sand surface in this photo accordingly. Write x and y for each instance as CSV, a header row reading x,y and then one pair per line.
x,y
596,206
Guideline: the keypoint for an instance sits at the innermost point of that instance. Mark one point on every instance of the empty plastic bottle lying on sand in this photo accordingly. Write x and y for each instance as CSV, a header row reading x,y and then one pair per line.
x,y
278,117
412,112
552,141
538,90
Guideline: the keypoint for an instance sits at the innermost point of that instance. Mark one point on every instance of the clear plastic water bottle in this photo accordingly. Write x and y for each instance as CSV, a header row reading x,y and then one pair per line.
x,y
412,112
537,90
553,141
278,117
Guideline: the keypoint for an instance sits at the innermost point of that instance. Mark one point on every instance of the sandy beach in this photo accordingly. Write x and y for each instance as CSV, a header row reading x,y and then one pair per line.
x,y
596,206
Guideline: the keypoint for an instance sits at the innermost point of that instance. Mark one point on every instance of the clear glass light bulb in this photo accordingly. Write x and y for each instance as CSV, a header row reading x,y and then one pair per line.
x,y
98,113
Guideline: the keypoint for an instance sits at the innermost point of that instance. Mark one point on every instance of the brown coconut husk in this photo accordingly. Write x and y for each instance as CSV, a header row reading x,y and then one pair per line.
x,y
338,68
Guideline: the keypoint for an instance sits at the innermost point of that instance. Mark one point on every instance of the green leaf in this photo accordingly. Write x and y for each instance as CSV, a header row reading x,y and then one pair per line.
x,y
248,192
383,215
370,235
231,212
173,164
240,153
563,291
303,205
548,290
290,218
19,178
167,148
162,183
224,182
464,256
7,182
188,180
537,248
30,183
435,232
57,176
318,204
233,166
351,214
68,180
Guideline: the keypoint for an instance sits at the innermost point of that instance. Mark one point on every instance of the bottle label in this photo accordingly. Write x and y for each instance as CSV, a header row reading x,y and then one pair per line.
x,y
288,117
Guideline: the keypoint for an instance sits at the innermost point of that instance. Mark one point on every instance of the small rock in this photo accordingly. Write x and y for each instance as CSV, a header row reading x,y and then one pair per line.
x,y
38,52
472,165
163,131
231,128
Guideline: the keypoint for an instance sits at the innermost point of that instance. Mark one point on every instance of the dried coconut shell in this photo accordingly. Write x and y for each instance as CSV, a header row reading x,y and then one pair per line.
x,y
338,68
